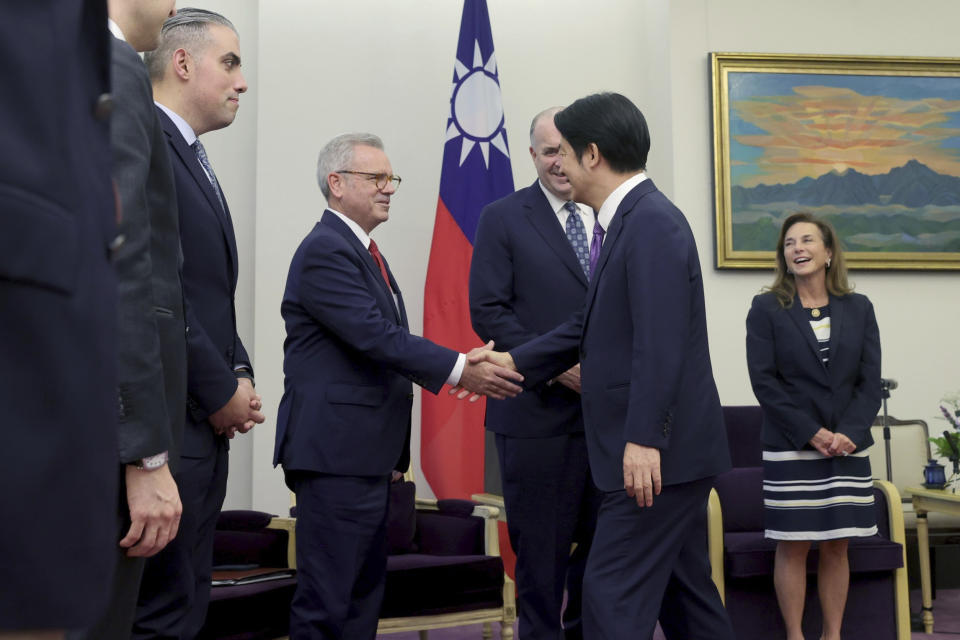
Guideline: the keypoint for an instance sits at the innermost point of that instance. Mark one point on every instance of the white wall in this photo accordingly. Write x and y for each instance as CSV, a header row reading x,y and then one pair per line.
x,y
317,69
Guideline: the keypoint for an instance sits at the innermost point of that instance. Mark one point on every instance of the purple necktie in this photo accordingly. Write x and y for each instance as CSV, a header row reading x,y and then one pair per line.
x,y
595,245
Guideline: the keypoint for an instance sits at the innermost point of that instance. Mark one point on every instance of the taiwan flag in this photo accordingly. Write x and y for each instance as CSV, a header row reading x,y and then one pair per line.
x,y
476,171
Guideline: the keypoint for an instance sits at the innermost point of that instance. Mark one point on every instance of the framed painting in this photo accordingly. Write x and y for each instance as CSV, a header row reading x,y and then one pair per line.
x,y
871,144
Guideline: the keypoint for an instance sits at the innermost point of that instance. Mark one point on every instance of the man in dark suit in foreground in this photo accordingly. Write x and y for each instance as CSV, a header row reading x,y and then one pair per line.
x,y
197,82
529,273
152,344
58,319
343,425
653,421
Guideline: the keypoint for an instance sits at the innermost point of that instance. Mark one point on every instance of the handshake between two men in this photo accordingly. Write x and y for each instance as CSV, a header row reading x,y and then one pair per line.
x,y
488,373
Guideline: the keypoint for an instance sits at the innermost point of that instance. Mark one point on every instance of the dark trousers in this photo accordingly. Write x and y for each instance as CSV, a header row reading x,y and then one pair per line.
x,y
176,582
649,563
551,503
341,555
117,620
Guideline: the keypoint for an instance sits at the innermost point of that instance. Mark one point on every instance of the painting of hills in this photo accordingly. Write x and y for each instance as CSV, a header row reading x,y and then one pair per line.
x,y
908,209
877,155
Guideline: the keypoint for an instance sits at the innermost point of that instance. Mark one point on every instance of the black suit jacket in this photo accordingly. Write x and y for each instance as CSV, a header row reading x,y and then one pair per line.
x,y
209,283
348,361
797,393
58,316
152,341
642,344
524,281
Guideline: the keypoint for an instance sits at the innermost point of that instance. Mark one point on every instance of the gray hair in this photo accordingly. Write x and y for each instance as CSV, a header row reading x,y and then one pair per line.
x,y
337,155
546,112
186,30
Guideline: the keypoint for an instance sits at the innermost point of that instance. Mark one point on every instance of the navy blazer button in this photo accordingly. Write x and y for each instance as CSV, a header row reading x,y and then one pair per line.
x,y
103,107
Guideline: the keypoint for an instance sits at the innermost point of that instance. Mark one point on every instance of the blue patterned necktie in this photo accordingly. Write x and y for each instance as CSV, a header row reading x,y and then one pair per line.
x,y
577,235
205,163
598,234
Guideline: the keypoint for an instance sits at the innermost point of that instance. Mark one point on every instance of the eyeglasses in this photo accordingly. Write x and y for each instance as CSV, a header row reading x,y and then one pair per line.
x,y
380,179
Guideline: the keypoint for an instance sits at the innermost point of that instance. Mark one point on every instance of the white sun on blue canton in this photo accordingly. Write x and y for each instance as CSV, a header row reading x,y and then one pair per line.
x,y
476,112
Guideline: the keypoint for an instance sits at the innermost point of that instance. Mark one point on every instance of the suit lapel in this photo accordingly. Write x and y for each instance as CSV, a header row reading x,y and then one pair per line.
x,y
546,223
837,311
189,159
801,319
334,222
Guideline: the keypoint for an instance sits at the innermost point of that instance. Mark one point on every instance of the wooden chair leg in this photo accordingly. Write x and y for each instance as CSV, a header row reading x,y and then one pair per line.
x,y
423,634
506,631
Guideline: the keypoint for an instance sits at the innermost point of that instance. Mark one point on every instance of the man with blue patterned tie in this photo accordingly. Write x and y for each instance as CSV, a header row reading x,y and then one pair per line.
x,y
530,269
197,82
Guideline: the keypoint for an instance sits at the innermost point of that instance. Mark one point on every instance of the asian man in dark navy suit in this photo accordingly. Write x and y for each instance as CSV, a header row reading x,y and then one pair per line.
x,y
343,426
529,273
652,415
197,82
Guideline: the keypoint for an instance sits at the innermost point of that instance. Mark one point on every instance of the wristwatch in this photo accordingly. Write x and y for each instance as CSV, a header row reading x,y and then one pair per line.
x,y
152,463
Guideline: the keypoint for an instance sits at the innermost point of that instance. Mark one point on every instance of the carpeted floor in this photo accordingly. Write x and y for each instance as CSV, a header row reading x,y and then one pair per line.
x,y
946,622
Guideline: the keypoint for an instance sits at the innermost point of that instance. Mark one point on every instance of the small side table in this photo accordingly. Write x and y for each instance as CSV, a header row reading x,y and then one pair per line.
x,y
925,501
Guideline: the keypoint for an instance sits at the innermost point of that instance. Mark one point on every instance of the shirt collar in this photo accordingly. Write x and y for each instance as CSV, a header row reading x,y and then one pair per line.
x,y
357,230
612,203
185,129
115,30
557,204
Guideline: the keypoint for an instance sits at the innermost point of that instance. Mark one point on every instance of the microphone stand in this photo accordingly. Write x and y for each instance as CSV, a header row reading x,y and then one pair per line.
x,y
885,393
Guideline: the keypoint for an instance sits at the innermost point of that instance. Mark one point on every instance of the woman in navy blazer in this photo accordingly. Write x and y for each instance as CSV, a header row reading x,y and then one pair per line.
x,y
813,352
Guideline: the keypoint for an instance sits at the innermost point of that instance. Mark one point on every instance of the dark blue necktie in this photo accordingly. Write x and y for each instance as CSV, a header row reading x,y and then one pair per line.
x,y
205,163
577,235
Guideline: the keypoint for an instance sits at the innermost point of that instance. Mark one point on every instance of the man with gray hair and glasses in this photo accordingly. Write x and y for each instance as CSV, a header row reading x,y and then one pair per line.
x,y
343,426
197,81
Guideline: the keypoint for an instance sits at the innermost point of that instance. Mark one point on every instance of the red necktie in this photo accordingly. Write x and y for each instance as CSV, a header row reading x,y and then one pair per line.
x,y
379,260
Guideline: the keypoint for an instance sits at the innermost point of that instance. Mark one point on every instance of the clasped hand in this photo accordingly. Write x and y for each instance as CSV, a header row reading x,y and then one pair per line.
x,y
832,444
240,413
488,373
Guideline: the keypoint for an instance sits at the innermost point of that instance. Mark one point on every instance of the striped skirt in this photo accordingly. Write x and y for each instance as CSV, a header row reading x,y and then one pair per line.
x,y
807,496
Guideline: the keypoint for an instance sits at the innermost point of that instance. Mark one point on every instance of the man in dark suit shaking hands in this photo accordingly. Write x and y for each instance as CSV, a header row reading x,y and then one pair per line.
x,y
652,415
343,425
197,82
529,273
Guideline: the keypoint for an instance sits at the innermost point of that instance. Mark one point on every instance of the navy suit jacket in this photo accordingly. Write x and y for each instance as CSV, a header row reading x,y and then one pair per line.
x,y
524,281
797,392
642,344
348,361
209,282
151,336
58,316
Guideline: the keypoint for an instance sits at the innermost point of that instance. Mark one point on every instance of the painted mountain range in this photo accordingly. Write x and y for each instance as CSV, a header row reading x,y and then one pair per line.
x,y
911,209
912,185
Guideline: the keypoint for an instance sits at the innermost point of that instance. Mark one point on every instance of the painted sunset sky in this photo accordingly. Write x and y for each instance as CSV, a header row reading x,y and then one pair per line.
x,y
785,127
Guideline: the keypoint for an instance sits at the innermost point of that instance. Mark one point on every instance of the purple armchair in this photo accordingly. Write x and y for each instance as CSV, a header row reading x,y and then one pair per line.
x,y
443,569
253,581
742,559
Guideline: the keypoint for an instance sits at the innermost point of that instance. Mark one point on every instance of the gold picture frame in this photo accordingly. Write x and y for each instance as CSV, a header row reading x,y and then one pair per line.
x,y
870,143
